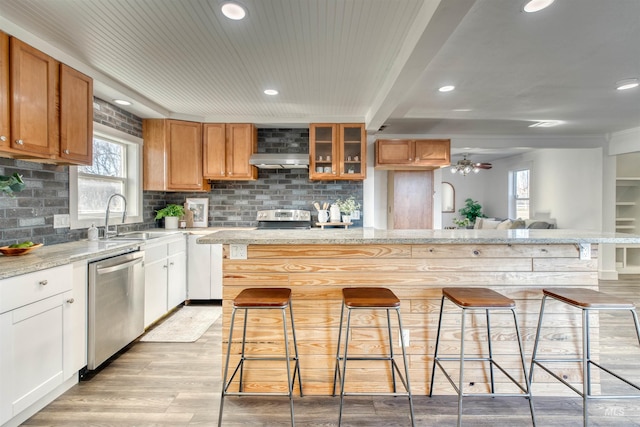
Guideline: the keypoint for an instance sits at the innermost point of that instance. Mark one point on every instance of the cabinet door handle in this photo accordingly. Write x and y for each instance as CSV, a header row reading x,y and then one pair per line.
x,y
65,151
165,266
43,282
3,138
19,142
171,263
71,300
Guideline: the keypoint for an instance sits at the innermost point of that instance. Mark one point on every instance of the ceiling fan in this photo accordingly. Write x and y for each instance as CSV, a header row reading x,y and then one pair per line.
x,y
466,166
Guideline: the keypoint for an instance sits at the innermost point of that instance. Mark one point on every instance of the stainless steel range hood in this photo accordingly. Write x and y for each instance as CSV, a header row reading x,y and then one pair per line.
x,y
280,160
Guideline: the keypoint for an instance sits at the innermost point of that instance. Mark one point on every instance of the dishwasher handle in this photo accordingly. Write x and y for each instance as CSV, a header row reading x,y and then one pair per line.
x,y
124,265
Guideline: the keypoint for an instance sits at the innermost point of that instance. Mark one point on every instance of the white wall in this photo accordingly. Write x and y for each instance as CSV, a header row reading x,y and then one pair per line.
x,y
566,184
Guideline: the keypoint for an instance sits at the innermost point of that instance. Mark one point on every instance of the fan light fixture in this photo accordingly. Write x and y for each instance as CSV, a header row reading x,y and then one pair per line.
x,y
465,166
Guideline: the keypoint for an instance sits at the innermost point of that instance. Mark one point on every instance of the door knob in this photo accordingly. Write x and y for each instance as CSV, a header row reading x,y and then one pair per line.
x,y
71,300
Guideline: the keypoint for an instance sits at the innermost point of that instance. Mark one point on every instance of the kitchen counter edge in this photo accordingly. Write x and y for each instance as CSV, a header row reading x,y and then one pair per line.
x,y
360,236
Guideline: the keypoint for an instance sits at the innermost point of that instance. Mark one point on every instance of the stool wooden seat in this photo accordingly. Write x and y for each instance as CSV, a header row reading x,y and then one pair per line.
x,y
468,298
585,300
262,299
370,298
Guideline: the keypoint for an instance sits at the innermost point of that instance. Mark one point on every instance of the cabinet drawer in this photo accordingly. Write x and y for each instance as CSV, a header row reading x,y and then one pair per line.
x,y
177,247
28,288
156,252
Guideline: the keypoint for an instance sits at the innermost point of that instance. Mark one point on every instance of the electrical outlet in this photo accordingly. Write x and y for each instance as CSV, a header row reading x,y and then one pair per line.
x,y
585,250
355,215
405,336
61,221
238,251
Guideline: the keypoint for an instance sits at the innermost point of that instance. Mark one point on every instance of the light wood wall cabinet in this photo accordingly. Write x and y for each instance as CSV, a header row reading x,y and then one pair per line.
x,y
34,115
408,154
172,158
337,151
226,150
76,116
46,108
5,120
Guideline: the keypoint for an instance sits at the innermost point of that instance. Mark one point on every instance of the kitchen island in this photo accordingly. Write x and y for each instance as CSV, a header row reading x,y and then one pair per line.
x,y
415,264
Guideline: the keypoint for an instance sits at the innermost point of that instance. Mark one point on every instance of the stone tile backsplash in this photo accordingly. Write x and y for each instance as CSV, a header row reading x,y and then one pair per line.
x,y
29,215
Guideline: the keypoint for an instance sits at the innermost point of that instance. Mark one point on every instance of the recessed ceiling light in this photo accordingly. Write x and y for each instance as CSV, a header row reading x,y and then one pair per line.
x,y
233,11
447,88
627,84
121,102
546,124
270,92
462,110
537,5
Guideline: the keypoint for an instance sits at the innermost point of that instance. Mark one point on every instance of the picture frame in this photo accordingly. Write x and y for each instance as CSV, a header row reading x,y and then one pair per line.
x,y
200,209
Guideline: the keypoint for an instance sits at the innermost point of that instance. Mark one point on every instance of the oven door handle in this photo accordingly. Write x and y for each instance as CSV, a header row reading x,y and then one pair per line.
x,y
105,270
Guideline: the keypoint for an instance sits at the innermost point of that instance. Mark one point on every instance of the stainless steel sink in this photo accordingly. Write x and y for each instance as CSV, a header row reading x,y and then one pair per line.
x,y
140,235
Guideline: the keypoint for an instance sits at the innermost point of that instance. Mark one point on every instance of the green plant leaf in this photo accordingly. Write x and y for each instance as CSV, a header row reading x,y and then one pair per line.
x,y
170,210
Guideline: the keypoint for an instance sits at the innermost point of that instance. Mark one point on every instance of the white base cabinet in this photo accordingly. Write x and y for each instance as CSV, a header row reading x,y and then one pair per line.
x,y
36,329
204,273
165,277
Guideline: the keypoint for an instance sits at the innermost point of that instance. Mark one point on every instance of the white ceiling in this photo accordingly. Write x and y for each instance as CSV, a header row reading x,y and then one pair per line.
x,y
374,61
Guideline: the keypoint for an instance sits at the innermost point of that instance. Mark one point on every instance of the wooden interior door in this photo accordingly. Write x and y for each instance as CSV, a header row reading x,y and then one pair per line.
x,y
410,200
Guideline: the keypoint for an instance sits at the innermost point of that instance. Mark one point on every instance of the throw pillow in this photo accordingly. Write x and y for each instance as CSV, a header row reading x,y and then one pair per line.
x,y
539,225
488,224
504,225
518,223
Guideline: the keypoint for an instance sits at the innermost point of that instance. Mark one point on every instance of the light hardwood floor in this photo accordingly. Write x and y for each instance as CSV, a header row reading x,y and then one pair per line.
x,y
167,384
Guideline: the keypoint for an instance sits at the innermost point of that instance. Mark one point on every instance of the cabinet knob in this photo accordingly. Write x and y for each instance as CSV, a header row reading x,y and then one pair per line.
x,y
171,263
165,266
65,151
3,138
19,142
43,282
71,300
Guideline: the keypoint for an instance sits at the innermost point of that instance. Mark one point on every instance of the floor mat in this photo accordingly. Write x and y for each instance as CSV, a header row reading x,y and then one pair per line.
x,y
185,325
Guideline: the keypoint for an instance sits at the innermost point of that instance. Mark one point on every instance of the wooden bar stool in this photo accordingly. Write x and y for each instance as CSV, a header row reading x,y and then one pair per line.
x,y
585,300
262,299
371,299
479,299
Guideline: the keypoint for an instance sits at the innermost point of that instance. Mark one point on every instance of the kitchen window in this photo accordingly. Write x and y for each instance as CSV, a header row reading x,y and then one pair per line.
x,y
116,168
520,203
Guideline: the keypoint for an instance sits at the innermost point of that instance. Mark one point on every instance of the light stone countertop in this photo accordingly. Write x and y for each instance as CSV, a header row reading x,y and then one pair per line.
x,y
49,256
358,236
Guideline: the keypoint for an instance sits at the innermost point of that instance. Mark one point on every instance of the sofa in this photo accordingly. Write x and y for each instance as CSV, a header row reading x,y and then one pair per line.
x,y
505,224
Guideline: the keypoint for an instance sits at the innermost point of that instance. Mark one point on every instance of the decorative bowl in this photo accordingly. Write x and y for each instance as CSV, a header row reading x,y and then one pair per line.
x,y
7,251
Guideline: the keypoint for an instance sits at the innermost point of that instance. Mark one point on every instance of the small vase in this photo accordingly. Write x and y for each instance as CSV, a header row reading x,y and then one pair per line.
x,y
346,218
323,215
171,222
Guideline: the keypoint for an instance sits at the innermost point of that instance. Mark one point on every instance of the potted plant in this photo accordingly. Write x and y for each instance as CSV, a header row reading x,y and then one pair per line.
x,y
170,213
471,210
347,206
11,184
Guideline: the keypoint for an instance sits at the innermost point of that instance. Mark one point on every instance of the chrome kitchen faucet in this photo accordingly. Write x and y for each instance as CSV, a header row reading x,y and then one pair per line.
x,y
108,233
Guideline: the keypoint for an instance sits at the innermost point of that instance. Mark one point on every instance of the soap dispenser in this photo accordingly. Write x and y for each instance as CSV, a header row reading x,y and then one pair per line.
x,y
92,233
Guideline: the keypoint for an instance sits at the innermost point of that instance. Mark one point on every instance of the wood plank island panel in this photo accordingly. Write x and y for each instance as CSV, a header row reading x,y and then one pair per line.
x,y
316,273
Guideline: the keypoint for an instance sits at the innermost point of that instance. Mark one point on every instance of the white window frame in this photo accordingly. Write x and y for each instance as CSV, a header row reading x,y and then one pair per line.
x,y
133,183
513,212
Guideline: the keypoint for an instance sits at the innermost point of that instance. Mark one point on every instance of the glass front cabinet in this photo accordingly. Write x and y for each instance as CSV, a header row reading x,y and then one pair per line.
x,y
337,151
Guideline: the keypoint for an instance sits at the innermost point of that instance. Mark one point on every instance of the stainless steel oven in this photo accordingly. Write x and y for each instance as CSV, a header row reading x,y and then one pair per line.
x,y
116,305
282,219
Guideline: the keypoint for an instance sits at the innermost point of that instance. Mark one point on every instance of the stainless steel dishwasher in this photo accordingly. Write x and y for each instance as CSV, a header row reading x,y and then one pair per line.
x,y
116,305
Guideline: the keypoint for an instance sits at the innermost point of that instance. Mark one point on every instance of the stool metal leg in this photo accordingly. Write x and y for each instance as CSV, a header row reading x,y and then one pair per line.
x,y
244,340
226,367
461,382
406,382
537,340
490,352
344,364
288,362
336,372
295,350
393,372
524,368
586,371
435,356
